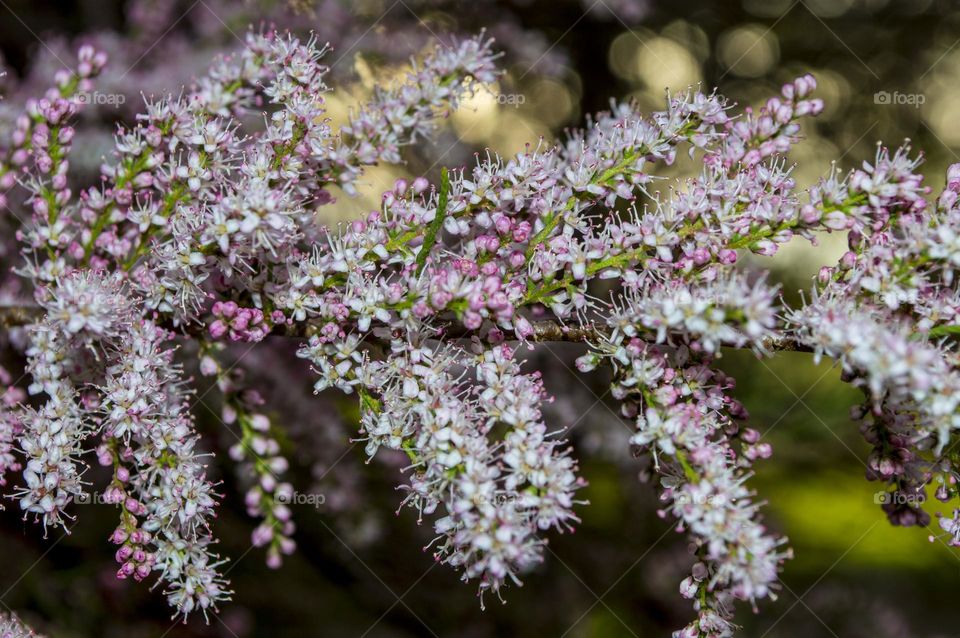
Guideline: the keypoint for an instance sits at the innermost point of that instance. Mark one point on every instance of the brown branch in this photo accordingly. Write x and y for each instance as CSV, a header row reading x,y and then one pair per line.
x,y
551,331
543,330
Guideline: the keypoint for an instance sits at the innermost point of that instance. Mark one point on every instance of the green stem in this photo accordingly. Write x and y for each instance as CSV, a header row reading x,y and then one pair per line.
x,y
431,236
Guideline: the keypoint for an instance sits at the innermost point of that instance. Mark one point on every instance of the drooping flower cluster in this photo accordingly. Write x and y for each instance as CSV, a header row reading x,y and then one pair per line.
x,y
107,373
883,312
479,453
901,375
203,227
686,421
257,452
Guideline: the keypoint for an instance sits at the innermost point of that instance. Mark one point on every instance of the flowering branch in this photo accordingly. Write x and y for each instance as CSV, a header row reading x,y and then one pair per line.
x,y
204,229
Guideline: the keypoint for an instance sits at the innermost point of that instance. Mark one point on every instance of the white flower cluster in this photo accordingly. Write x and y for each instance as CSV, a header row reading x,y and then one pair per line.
x,y
82,312
398,116
106,371
479,451
894,366
686,420
913,395
727,311
883,312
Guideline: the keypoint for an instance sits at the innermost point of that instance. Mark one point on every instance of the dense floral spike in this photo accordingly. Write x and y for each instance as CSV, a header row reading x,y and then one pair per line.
x,y
209,228
260,464
132,396
399,116
727,311
686,422
883,312
498,491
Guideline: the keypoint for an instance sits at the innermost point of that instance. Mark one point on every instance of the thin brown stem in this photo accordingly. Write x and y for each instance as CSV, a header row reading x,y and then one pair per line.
x,y
548,331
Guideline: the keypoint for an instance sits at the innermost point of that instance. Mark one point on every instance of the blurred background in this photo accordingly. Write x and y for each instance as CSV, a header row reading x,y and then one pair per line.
x,y
887,70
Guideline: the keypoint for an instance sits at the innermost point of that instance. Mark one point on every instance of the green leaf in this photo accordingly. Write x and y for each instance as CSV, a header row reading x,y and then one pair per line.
x,y
943,331
431,237
368,402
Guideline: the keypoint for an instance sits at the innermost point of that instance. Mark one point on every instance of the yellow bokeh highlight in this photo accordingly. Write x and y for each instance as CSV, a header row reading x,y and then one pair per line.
x,y
477,117
551,100
662,63
940,89
749,51
656,62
